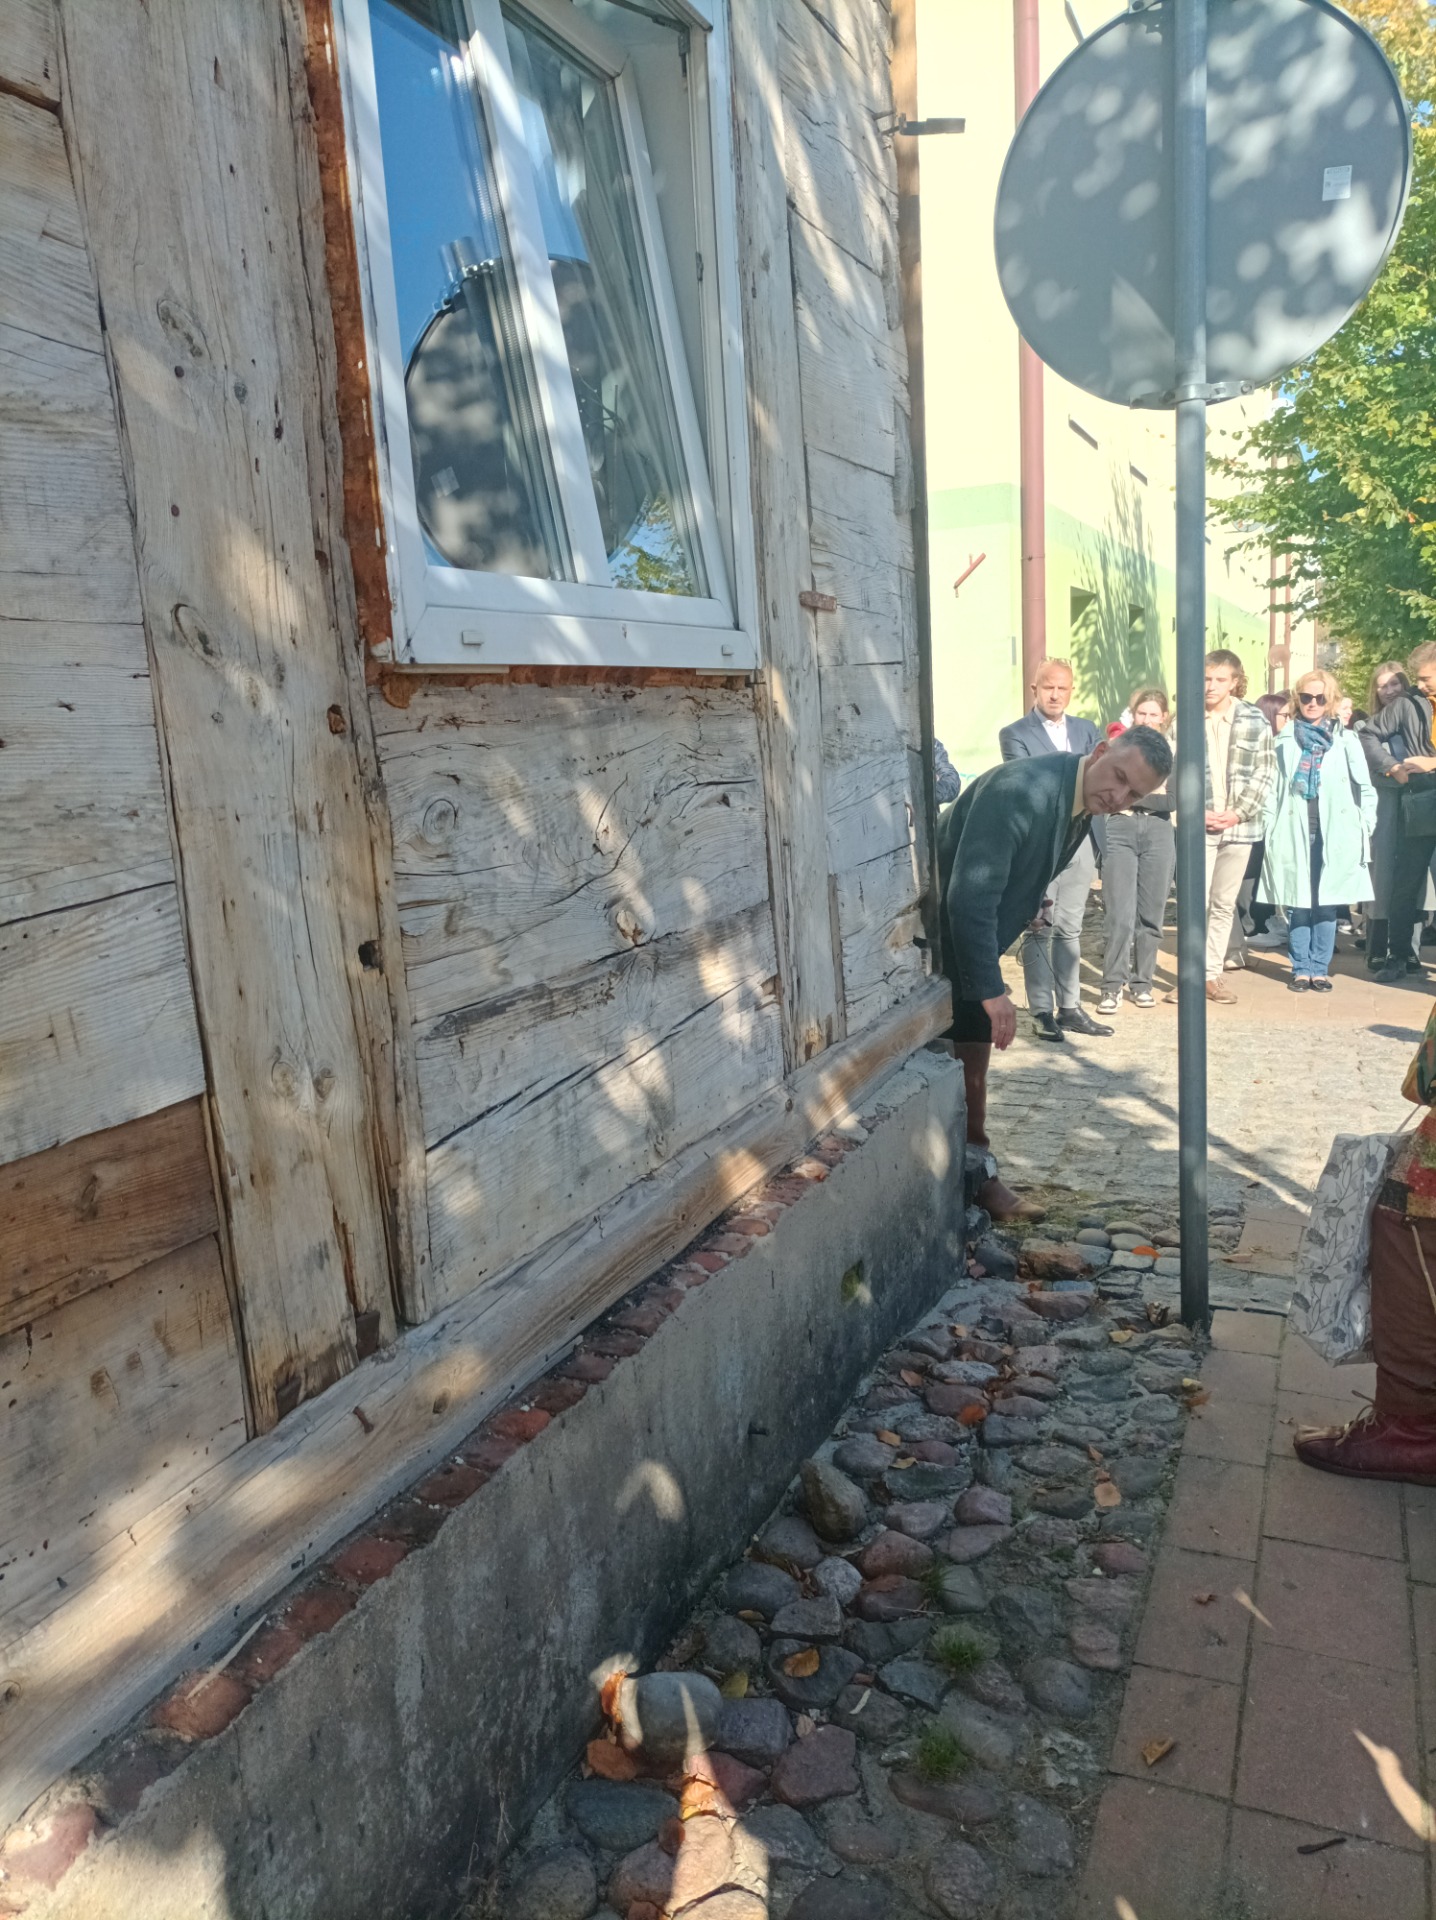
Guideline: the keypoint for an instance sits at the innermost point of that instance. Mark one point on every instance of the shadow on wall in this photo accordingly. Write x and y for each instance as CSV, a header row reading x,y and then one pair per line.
x,y
1116,631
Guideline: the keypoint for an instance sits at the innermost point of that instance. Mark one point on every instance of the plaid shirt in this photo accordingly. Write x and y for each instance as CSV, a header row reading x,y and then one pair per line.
x,y
1251,768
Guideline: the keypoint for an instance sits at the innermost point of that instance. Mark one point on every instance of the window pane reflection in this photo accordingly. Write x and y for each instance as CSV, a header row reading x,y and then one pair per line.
x,y
594,243
487,499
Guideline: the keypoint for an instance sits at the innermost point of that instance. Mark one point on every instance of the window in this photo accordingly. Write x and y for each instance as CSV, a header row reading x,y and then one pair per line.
x,y
555,330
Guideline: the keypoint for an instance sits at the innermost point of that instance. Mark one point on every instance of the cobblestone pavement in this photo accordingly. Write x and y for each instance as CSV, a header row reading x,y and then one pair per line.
x,y
1285,1073
900,1702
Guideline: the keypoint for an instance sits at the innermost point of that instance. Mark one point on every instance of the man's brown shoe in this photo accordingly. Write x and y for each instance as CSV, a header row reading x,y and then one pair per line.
x,y
1373,1447
1219,990
1003,1204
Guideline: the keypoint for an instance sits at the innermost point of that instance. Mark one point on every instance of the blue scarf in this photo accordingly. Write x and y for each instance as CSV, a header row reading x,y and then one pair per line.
x,y
1313,737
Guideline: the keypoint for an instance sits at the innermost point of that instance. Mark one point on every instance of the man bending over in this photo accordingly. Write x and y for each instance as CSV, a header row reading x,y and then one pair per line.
x,y
1000,846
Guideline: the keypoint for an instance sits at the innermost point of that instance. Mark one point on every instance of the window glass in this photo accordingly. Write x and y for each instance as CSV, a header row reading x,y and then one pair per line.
x,y
486,495
589,211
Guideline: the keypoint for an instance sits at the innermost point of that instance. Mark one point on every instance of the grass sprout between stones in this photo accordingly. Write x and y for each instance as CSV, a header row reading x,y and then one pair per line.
x,y
930,1580
939,1753
958,1651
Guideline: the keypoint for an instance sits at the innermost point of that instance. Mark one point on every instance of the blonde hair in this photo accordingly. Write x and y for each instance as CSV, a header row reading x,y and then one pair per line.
x,y
1420,657
1043,665
1328,687
1157,696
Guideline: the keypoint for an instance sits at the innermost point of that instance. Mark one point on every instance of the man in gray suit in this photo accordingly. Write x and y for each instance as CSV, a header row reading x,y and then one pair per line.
x,y
1052,955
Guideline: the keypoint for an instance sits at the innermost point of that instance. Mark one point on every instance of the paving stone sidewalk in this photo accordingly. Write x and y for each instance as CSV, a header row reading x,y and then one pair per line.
x,y
1288,1652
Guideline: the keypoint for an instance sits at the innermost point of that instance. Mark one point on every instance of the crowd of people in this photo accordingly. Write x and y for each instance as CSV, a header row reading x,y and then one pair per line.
x,y
1318,814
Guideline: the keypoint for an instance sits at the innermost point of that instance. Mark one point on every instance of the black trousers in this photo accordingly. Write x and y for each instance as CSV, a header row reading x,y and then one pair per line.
x,y
1408,891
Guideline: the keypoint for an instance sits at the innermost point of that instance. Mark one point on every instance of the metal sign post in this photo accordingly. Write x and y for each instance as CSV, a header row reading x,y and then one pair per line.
x,y
1200,196
1190,329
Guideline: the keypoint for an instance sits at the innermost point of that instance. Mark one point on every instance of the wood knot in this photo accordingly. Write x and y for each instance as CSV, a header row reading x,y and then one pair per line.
x,y
180,324
441,817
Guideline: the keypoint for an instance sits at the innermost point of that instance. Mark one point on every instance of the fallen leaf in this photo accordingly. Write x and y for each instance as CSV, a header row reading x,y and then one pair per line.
x,y
1093,1454
805,1724
1156,1750
1106,1494
972,1416
750,1613
867,1695
1158,1313
802,1665
1194,1400
909,1378
608,1694
960,1331
1121,1335
1190,1386
903,1461
701,1796
1153,1253
888,1437
610,1762
735,1687
1204,1599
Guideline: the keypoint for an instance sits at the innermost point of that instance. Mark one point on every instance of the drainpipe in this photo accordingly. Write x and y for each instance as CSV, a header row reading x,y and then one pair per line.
x,y
909,210
1031,432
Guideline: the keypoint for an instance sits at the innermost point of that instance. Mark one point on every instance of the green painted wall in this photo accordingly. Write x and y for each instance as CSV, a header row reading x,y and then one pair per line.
x,y
1111,609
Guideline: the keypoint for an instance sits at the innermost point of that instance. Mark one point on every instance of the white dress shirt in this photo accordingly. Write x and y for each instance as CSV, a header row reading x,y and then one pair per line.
x,y
1057,733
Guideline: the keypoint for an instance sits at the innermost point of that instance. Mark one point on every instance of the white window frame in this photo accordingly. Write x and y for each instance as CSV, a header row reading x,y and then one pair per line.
x,y
450,617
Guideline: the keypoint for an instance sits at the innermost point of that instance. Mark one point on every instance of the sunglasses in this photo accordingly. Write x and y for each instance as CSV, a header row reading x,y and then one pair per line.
x,y
1312,699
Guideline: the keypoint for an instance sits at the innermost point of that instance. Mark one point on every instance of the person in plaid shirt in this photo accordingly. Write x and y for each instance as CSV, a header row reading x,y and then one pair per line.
x,y
1241,765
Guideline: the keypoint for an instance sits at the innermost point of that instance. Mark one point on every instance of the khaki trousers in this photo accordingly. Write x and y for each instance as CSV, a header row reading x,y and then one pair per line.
x,y
1226,869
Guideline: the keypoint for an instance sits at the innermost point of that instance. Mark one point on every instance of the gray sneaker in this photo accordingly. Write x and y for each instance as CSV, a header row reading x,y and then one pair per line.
x,y
1108,1002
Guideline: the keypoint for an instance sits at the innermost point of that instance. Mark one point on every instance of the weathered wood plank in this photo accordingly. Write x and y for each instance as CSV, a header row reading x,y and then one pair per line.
x,y
113,1404
67,548
127,1627
96,1021
80,789
46,284
29,56
871,809
85,1214
855,513
642,1058
879,919
790,710
868,710
849,360
505,1055
537,830
184,122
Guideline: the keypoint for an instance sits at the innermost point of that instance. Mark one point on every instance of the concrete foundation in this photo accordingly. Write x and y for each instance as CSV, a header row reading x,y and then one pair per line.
x,y
405,1748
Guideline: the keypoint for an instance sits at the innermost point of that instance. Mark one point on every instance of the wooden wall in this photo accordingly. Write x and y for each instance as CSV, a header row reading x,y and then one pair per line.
x,y
119,1366
586,877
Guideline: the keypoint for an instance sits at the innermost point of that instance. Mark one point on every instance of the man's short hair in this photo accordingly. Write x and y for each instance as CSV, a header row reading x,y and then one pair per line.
x,y
1224,657
1421,656
1152,746
1043,665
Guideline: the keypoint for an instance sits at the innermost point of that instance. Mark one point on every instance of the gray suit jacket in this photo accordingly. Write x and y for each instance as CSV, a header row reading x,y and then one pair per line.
x,y
1026,738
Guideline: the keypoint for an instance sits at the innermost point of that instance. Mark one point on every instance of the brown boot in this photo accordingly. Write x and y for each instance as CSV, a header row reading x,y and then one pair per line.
x,y
998,1199
1003,1204
1373,1446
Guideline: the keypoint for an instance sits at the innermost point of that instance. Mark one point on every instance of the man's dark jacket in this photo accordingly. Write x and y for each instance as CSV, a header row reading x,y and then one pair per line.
x,y
998,848
1028,738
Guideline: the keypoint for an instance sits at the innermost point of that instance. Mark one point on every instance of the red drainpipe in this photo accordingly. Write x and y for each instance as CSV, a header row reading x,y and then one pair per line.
x,y
1028,76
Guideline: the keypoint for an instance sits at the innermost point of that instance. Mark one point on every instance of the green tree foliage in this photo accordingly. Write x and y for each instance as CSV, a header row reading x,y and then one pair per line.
x,y
1340,479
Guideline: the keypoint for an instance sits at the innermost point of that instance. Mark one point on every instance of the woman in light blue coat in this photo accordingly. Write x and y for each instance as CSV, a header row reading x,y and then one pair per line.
x,y
1319,820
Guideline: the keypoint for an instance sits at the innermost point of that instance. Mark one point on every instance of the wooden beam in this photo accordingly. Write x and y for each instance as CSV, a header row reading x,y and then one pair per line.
x,y
29,63
240,1534
789,698
84,1215
189,134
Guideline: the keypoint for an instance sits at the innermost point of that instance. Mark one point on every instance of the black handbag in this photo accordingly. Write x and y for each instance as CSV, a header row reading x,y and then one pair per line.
x,y
1418,807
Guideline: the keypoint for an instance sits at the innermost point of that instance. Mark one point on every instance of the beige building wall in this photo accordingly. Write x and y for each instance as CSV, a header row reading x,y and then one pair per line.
x,y
1110,495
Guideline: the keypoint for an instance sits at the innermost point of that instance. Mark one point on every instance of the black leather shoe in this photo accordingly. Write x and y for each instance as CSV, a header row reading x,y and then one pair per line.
x,y
1078,1020
1392,974
1045,1027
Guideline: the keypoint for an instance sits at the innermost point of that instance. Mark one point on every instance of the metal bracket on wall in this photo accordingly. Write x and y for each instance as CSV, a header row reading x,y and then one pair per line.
x,y
888,124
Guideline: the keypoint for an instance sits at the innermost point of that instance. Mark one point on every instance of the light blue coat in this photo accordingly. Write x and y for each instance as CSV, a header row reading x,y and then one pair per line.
x,y
1347,804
